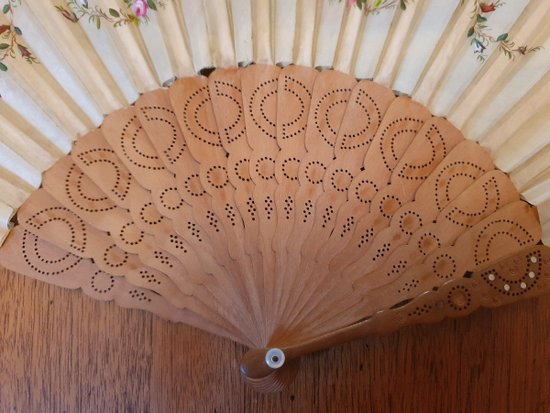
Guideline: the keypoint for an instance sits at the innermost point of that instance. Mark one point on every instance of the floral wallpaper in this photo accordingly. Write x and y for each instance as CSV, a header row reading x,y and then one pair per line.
x,y
137,11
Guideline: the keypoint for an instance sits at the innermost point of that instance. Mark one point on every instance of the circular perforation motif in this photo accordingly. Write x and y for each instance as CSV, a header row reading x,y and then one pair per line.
x,y
392,136
369,121
443,186
42,260
258,104
498,228
131,234
421,170
193,186
365,190
444,266
193,112
136,148
93,200
297,125
78,239
217,176
102,283
265,168
522,275
340,179
115,257
459,298
314,171
150,215
171,199
465,218
290,168
121,185
409,222
176,147
331,101
389,205
427,243
242,170
234,130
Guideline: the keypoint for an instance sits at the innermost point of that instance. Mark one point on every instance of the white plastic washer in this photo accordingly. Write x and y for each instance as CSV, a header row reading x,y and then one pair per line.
x,y
275,358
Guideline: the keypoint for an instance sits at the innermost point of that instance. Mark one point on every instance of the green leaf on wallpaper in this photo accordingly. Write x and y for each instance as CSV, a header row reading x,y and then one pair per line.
x,y
3,67
152,5
114,13
502,37
376,4
481,19
6,9
4,46
18,31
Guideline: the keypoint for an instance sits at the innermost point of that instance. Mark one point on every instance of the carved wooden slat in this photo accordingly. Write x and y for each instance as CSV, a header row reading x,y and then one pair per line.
x,y
224,222
295,87
226,95
330,95
259,84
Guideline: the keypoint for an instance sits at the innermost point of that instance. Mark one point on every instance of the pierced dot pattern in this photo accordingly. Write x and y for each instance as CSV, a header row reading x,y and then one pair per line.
x,y
139,295
149,278
308,210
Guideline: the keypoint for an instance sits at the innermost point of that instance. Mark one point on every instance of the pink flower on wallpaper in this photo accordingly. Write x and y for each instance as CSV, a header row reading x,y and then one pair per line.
x,y
140,8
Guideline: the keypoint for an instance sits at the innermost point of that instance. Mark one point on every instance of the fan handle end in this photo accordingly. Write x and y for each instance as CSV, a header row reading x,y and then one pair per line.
x,y
268,370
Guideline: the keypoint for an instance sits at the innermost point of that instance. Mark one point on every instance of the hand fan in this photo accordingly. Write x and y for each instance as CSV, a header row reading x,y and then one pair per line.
x,y
283,208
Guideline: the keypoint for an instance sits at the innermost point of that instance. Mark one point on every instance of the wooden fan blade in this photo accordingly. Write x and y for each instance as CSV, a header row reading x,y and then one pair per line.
x,y
192,95
331,92
294,92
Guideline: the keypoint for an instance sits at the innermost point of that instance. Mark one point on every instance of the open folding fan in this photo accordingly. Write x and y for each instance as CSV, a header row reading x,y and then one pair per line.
x,y
285,207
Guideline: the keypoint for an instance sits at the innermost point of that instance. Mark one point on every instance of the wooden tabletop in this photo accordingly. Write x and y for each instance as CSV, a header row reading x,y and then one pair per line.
x,y
63,352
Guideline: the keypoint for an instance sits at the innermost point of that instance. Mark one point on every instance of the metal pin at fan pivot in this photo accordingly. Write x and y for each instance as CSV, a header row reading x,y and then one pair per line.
x,y
275,358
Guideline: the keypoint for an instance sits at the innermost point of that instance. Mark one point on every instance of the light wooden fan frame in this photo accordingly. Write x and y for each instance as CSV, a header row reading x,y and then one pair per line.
x,y
287,209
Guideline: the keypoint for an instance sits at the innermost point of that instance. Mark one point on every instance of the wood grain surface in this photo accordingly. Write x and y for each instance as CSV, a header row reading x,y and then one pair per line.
x,y
63,352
